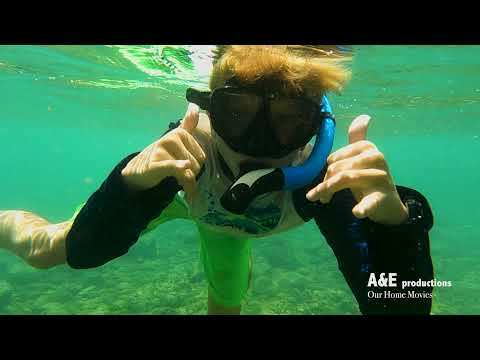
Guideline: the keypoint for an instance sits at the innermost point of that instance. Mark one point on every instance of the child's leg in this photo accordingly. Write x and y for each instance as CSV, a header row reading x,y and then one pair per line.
x,y
226,261
215,308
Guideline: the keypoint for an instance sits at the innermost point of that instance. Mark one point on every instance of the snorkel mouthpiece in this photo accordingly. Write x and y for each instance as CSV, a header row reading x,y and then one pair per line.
x,y
255,183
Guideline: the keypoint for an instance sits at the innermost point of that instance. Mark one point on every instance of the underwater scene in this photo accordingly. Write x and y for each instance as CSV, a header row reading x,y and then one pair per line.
x,y
69,114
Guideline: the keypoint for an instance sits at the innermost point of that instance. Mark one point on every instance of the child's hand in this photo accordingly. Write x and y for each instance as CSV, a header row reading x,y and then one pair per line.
x,y
361,167
176,154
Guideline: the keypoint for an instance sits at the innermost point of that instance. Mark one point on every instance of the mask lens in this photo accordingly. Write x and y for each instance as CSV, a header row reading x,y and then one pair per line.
x,y
234,111
294,121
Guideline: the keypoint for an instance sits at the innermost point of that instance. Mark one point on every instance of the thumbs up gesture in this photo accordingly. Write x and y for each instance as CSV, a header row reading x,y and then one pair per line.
x,y
362,168
175,154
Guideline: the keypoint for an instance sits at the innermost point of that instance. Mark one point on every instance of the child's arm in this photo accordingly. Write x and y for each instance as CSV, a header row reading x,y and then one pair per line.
x,y
105,228
32,238
362,247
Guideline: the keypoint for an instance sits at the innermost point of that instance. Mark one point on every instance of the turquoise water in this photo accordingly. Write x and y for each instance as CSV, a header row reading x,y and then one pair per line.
x,y
69,113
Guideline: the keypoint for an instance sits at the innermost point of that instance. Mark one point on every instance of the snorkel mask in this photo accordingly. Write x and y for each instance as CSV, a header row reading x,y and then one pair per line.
x,y
248,186
289,178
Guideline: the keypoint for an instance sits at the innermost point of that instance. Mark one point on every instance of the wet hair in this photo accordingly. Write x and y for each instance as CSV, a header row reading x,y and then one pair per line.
x,y
294,69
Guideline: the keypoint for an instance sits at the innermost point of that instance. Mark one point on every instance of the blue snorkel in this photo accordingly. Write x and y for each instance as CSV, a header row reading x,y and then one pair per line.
x,y
255,183
297,177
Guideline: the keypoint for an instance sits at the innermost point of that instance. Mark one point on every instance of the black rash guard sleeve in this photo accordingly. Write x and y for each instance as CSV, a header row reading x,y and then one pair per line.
x,y
113,218
362,247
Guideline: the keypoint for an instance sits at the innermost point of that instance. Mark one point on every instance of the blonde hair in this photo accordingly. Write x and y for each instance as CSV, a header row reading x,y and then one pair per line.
x,y
313,69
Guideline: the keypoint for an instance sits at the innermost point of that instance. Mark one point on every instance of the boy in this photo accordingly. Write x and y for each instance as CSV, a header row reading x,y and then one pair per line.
x,y
263,109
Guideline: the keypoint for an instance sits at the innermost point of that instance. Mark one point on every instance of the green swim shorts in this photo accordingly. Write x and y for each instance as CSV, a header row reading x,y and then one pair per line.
x,y
226,259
